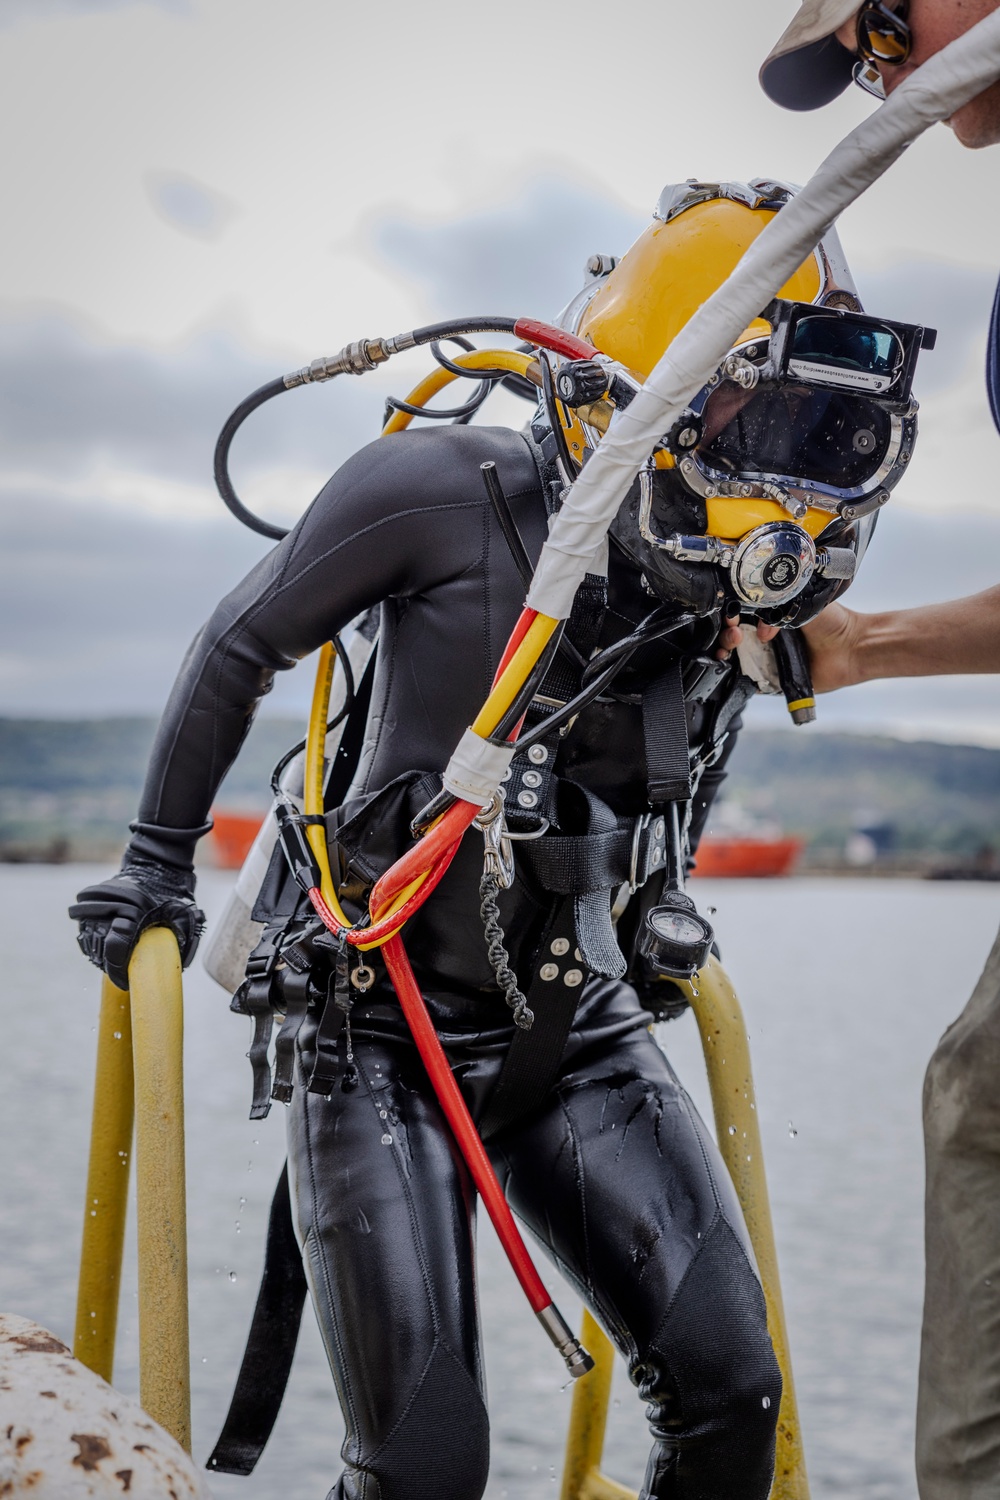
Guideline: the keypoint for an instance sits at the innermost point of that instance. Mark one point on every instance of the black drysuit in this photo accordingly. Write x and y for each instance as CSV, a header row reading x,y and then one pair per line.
x,y
615,1174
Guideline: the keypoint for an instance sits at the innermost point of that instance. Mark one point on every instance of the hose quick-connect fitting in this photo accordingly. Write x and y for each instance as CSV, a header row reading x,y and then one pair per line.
x,y
354,359
577,1360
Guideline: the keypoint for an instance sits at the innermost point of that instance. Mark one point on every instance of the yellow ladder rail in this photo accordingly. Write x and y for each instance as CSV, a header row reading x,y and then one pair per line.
x,y
737,1127
140,1056
106,1203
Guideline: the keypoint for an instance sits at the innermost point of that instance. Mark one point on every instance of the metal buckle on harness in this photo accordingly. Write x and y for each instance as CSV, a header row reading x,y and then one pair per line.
x,y
498,856
649,853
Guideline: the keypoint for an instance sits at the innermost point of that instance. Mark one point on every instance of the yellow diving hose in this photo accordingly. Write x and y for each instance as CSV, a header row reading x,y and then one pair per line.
x,y
511,680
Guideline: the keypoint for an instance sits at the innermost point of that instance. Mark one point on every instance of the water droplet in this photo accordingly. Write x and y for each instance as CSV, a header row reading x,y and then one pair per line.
x,y
117,1036
749,1158
237,1226
791,1130
383,1114
243,1203
232,1275
93,1213
204,1359
256,1143
712,910
732,1130
387,1139
765,1403
616,1402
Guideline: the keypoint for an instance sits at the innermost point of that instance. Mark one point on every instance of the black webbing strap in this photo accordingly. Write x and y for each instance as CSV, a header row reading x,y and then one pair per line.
x,y
295,999
664,724
253,998
267,1359
335,1008
533,1057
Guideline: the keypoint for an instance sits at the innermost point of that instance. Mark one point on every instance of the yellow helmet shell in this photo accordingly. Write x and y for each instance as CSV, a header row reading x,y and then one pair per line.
x,y
670,271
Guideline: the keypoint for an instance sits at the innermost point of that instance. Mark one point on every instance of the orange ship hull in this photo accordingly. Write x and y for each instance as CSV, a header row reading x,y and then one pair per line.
x,y
747,858
231,837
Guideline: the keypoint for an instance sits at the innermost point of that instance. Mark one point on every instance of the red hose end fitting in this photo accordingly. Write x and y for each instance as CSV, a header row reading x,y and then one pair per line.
x,y
576,1358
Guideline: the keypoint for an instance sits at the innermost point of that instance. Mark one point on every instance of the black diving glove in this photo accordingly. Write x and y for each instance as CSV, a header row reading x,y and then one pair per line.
x,y
113,914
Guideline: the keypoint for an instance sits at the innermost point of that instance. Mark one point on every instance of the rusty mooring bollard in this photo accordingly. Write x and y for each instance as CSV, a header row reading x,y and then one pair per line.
x,y
67,1433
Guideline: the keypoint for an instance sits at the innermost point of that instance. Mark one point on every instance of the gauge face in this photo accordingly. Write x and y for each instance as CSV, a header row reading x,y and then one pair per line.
x,y
676,926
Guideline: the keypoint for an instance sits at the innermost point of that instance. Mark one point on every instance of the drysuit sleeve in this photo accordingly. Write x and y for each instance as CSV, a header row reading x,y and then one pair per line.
x,y
401,517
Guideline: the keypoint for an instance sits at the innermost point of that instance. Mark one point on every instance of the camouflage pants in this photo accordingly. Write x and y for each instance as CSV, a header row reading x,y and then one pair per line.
x,y
958,1404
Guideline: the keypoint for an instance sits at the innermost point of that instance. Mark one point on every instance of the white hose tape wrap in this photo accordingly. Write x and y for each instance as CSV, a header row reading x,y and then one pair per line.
x,y
954,76
476,768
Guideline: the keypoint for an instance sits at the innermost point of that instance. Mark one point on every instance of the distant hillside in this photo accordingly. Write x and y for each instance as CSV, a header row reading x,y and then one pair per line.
x,y
938,797
79,781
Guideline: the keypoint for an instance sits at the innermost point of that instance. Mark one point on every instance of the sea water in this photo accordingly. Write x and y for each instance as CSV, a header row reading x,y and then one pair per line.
x,y
846,986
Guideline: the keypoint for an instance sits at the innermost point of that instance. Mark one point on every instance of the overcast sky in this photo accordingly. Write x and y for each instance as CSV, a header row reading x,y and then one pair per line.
x,y
200,194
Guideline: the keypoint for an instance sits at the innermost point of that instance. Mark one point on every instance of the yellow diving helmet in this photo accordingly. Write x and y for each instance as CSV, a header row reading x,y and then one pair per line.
x,y
799,435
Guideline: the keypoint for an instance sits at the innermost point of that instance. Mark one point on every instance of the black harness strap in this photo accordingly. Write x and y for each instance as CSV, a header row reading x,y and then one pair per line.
x,y
253,998
664,723
533,1057
335,1008
295,998
267,1359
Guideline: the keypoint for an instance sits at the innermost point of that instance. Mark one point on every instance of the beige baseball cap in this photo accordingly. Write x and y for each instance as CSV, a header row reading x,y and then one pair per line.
x,y
808,67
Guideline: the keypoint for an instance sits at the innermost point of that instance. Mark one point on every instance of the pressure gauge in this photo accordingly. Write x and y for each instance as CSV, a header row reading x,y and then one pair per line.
x,y
675,939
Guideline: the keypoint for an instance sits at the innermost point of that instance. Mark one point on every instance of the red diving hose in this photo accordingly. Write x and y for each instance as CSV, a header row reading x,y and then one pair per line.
x,y
432,1054
439,1071
556,339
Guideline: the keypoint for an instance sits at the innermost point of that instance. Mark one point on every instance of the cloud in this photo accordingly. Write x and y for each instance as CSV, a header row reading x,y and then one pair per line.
x,y
953,298
97,608
14,11
77,409
189,205
523,257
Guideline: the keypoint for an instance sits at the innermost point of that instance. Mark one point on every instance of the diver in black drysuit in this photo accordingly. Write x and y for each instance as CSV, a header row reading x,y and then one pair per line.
x,y
614,1173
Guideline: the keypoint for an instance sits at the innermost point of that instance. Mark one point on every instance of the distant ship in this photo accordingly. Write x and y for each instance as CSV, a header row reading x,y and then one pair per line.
x,y
231,837
746,858
739,846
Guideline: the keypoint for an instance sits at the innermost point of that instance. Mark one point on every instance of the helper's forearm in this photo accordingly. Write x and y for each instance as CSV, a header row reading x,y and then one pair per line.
x,y
960,636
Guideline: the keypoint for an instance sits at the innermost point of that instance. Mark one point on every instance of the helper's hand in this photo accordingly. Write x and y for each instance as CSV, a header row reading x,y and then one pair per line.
x,y
731,635
114,913
832,638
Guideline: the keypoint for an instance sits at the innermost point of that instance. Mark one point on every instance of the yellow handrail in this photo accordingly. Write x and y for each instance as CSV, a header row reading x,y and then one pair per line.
x,y
141,1038
106,1204
727,1061
158,1047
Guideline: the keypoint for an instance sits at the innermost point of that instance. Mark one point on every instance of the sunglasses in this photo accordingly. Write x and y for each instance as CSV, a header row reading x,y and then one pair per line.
x,y
883,37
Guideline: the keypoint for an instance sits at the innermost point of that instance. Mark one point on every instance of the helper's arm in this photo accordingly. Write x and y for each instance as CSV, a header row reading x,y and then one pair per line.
x,y
960,636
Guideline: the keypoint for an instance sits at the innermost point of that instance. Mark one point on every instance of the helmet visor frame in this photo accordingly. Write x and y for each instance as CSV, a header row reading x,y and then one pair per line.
x,y
841,350
823,409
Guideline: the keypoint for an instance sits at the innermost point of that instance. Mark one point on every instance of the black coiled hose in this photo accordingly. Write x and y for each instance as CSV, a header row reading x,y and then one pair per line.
x,y
433,332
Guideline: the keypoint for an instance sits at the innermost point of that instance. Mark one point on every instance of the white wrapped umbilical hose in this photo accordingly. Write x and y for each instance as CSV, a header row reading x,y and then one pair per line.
x,y
950,79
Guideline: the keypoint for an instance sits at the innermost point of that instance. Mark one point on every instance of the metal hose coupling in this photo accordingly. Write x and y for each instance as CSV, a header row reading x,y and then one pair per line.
x,y
354,359
577,1360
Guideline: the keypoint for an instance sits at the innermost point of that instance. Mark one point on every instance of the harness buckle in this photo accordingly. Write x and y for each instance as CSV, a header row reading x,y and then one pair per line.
x,y
498,856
